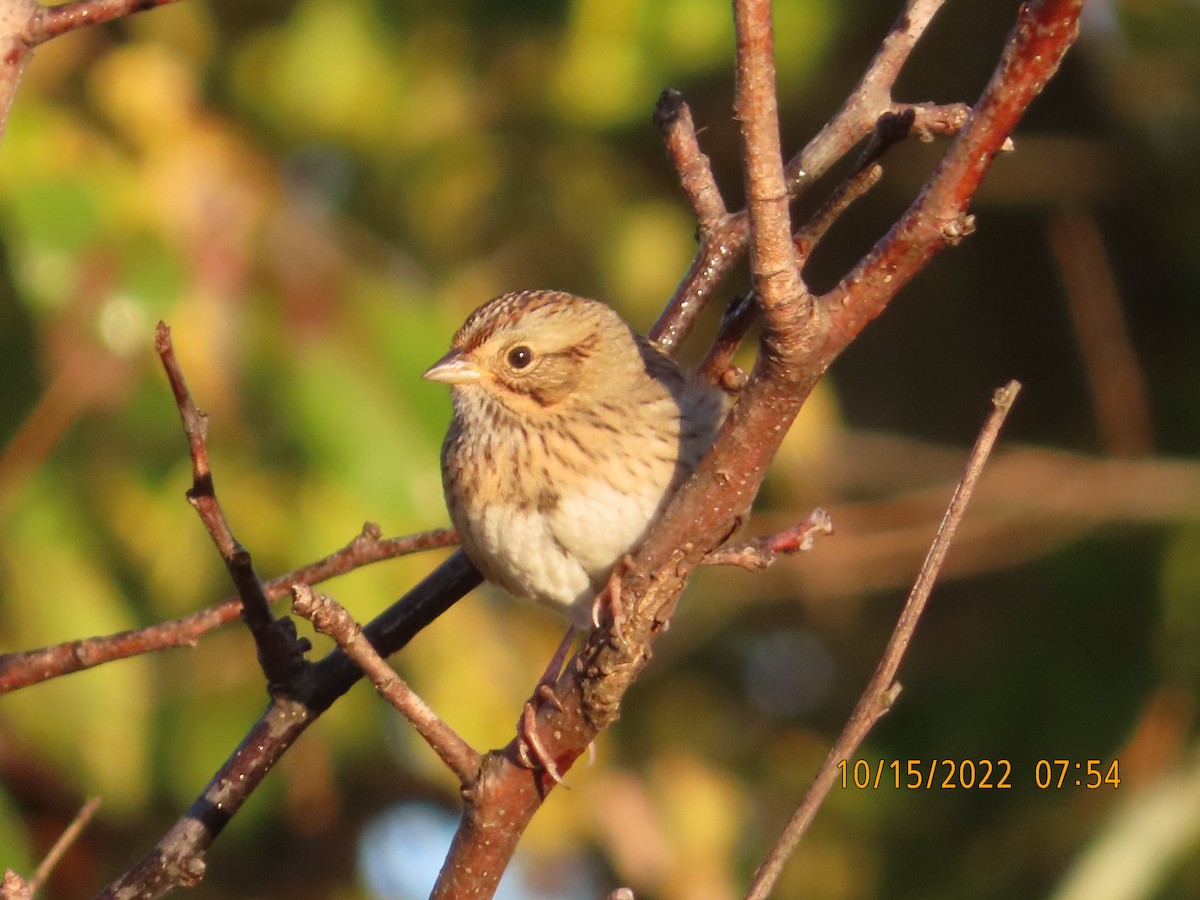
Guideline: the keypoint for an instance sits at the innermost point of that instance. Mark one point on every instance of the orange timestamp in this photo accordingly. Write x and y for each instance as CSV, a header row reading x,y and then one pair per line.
x,y
975,774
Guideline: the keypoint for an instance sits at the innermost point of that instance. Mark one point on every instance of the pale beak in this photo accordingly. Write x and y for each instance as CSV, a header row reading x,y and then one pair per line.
x,y
453,368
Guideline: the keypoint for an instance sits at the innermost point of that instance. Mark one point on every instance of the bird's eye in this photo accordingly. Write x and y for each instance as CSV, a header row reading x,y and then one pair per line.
x,y
520,356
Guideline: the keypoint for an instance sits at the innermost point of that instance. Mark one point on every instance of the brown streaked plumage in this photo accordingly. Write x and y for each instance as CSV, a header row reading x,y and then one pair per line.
x,y
569,433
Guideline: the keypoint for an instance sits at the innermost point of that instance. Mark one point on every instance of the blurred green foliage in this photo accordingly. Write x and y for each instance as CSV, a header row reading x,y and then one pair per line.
x,y
314,195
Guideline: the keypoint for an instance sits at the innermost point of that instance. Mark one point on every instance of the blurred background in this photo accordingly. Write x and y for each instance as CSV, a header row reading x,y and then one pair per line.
x,y
314,194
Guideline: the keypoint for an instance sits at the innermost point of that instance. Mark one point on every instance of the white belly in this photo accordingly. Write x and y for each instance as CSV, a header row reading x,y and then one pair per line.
x,y
562,556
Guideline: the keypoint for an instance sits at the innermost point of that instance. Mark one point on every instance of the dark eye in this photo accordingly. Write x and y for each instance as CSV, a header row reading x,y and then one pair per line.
x,y
520,356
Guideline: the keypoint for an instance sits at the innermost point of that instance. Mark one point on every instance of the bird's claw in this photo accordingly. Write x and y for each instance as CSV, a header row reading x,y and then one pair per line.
x,y
616,604
530,749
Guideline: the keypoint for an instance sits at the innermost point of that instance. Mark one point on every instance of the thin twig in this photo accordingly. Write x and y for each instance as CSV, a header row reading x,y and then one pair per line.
x,y
58,20
882,689
588,694
65,840
279,653
717,367
330,618
674,120
872,97
18,670
809,235
759,553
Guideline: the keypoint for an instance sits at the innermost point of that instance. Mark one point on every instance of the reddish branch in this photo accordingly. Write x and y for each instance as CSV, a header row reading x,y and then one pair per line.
x,y
24,24
938,217
674,120
774,266
740,315
758,553
66,17
18,670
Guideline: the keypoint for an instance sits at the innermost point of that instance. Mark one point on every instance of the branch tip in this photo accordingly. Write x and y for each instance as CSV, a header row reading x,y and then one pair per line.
x,y
668,108
1004,397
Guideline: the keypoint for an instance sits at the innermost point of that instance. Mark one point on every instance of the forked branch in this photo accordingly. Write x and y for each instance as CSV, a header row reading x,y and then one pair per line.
x,y
18,670
330,618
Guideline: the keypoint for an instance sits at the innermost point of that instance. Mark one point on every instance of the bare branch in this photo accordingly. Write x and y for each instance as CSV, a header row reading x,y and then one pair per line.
x,y
782,296
674,120
14,887
716,500
717,366
854,187
18,670
882,689
741,313
279,652
699,518
757,554
58,20
24,24
330,618
65,840
872,97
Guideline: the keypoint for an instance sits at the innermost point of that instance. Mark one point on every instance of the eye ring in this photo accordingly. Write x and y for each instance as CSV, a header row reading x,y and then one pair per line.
x,y
520,357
